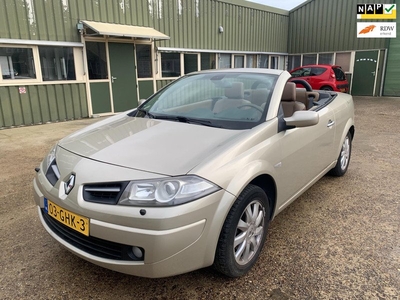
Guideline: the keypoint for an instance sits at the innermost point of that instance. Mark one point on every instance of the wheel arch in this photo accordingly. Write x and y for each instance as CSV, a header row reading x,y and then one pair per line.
x,y
348,128
352,130
267,184
259,173
327,85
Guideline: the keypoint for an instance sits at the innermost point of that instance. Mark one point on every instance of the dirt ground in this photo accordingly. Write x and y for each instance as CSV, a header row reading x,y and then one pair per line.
x,y
339,240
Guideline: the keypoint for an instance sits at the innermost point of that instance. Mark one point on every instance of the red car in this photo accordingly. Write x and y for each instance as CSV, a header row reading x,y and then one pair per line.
x,y
323,77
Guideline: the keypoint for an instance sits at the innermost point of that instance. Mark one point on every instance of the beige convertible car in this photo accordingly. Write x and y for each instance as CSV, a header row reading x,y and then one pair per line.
x,y
194,175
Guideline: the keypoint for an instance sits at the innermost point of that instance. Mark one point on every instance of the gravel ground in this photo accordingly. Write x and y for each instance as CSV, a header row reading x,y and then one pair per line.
x,y
339,240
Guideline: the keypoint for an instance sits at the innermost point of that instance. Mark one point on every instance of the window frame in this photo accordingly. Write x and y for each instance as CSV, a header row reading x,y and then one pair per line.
x,y
280,59
152,58
78,64
36,64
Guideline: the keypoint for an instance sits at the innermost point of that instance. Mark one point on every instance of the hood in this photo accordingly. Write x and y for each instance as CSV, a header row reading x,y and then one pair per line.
x,y
157,146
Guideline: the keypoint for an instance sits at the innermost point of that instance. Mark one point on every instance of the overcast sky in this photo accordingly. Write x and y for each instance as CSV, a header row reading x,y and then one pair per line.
x,y
283,4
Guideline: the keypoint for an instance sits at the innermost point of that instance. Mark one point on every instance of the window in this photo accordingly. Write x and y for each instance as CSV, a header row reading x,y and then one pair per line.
x,y
224,61
96,59
325,58
190,63
170,64
251,61
339,74
239,61
263,63
207,61
274,62
294,61
192,99
143,58
317,71
343,60
302,72
309,59
57,63
17,63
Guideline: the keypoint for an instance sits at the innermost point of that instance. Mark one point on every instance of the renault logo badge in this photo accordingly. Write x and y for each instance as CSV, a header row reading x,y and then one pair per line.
x,y
69,185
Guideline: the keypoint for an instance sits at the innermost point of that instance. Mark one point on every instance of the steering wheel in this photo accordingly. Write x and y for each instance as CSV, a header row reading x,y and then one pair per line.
x,y
302,82
252,106
258,82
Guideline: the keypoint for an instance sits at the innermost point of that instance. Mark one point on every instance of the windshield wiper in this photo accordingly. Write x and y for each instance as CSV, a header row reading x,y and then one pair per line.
x,y
196,121
183,119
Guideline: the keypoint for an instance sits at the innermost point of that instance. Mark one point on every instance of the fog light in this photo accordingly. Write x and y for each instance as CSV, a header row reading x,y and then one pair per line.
x,y
137,252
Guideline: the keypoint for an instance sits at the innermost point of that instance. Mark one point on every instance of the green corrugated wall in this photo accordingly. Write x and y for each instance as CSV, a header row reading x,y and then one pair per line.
x,y
391,85
42,103
329,25
189,23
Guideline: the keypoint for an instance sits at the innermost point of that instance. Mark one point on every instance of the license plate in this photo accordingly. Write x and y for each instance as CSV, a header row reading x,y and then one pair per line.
x,y
64,216
342,90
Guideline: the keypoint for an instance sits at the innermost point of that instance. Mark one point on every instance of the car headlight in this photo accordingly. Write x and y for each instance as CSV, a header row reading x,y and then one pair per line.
x,y
166,191
51,156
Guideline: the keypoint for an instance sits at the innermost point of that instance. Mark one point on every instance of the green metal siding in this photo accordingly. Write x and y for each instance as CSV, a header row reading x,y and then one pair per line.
x,y
41,104
145,89
100,94
189,23
326,25
39,20
391,85
195,25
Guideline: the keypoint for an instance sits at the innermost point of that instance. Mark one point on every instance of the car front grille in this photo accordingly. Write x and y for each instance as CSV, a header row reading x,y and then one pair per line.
x,y
89,244
104,193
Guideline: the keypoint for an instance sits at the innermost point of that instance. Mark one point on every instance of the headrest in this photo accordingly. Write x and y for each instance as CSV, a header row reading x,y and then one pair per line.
x,y
236,91
259,97
289,92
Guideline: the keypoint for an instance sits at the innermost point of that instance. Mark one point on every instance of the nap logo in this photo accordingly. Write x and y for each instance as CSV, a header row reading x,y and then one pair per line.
x,y
376,11
376,30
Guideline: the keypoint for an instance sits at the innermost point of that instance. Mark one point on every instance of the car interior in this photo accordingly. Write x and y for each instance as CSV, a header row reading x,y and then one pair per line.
x,y
238,102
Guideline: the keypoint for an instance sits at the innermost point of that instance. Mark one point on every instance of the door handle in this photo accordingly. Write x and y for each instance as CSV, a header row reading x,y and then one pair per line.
x,y
330,123
373,73
113,78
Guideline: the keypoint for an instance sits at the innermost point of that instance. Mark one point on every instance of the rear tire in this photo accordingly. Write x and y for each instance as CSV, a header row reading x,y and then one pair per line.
x,y
344,158
327,88
243,234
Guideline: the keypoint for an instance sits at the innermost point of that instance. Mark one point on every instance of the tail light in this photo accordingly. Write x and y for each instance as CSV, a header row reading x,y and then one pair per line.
x,y
332,73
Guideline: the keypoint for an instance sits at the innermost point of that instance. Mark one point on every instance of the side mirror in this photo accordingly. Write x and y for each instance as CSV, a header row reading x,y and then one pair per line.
x,y
302,118
141,101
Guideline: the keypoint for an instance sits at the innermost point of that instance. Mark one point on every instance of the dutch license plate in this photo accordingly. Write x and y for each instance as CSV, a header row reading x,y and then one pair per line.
x,y
64,216
342,90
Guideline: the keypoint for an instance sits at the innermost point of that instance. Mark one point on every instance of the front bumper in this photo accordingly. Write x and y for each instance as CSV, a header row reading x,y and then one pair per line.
x,y
175,239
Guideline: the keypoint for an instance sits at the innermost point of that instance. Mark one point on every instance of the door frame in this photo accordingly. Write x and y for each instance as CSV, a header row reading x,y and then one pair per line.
x,y
379,70
108,40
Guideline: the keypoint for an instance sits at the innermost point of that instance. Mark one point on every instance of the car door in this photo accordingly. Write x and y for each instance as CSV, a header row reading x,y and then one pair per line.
x,y
317,77
305,153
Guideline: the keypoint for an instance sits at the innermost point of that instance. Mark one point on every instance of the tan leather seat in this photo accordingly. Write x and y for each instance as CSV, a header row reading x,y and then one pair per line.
x,y
289,103
259,97
301,96
234,98
306,98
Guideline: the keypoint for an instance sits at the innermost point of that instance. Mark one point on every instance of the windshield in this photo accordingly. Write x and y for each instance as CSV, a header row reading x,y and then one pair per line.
x,y
218,99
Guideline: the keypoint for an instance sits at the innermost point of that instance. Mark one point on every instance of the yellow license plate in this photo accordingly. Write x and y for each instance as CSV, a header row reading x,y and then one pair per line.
x,y
64,216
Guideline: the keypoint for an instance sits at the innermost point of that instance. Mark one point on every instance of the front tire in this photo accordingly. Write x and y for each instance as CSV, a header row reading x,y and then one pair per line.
x,y
243,234
344,158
